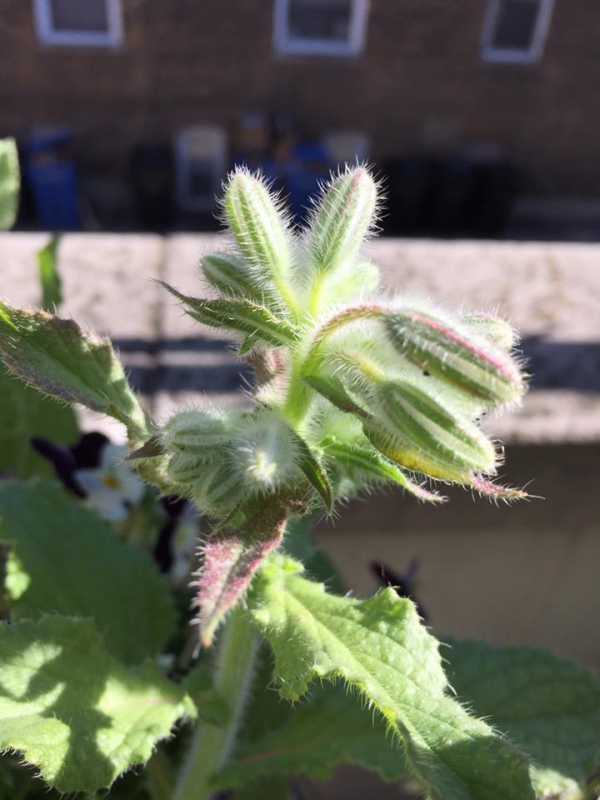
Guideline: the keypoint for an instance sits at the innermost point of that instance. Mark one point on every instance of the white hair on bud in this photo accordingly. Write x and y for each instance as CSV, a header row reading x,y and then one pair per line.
x,y
264,451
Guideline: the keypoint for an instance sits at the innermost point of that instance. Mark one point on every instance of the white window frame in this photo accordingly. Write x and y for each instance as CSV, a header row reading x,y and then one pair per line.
x,y
513,55
48,35
286,44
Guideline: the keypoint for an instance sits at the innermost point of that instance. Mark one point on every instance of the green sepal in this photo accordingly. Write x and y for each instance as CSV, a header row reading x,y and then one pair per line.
x,y
10,181
333,390
242,316
314,472
230,275
371,465
55,357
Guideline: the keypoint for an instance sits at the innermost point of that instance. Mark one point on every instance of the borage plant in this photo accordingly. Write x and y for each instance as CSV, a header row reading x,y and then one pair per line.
x,y
353,391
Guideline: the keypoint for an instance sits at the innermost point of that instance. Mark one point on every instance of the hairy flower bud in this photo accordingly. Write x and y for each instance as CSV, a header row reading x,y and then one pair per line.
x,y
201,433
261,231
453,353
497,330
342,219
431,433
217,489
265,452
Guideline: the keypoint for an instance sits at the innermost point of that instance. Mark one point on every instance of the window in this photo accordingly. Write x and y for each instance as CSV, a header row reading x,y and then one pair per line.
x,y
515,30
320,27
96,23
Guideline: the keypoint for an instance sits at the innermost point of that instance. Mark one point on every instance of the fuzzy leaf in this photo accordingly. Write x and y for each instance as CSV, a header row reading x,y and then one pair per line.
x,y
380,647
55,357
548,707
74,711
328,730
10,181
49,276
25,413
66,559
243,316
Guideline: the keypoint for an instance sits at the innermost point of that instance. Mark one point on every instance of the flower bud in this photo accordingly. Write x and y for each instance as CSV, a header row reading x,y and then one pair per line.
x,y
454,354
443,442
260,229
265,452
202,434
217,489
342,219
495,329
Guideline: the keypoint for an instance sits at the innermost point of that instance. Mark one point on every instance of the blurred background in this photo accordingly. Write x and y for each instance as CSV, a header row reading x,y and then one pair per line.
x,y
480,116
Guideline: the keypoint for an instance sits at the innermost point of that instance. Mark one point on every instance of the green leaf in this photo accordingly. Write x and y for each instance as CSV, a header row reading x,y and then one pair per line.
x,y
242,316
25,413
10,181
50,280
380,648
66,559
74,711
328,730
54,356
547,706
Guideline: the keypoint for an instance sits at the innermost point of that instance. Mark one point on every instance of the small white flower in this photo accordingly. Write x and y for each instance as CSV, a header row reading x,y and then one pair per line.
x,y
113,487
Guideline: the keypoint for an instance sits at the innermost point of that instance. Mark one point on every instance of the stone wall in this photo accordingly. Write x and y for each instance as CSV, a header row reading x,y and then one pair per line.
x,y
420,78
521,575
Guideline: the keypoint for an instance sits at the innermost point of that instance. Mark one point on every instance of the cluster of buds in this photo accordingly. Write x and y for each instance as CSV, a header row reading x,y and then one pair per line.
x,y
353,389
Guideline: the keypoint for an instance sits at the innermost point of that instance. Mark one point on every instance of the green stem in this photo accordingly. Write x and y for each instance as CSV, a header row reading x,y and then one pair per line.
x,y
299,394
212,745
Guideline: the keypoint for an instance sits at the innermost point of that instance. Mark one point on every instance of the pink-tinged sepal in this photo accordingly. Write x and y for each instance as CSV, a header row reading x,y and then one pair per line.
x,y
229,562
488,488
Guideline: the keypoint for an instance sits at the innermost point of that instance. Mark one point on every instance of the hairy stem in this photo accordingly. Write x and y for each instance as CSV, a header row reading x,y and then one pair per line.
x,y
211,745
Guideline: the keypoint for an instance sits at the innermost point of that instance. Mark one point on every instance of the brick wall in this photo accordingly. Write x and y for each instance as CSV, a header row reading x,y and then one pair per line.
x,y
420,77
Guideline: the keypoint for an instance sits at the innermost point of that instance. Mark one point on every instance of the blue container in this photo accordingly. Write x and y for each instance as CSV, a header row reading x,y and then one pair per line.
x,y
52,179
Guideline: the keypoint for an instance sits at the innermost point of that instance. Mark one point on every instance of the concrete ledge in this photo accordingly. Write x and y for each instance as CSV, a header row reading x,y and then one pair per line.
x,y
550,291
